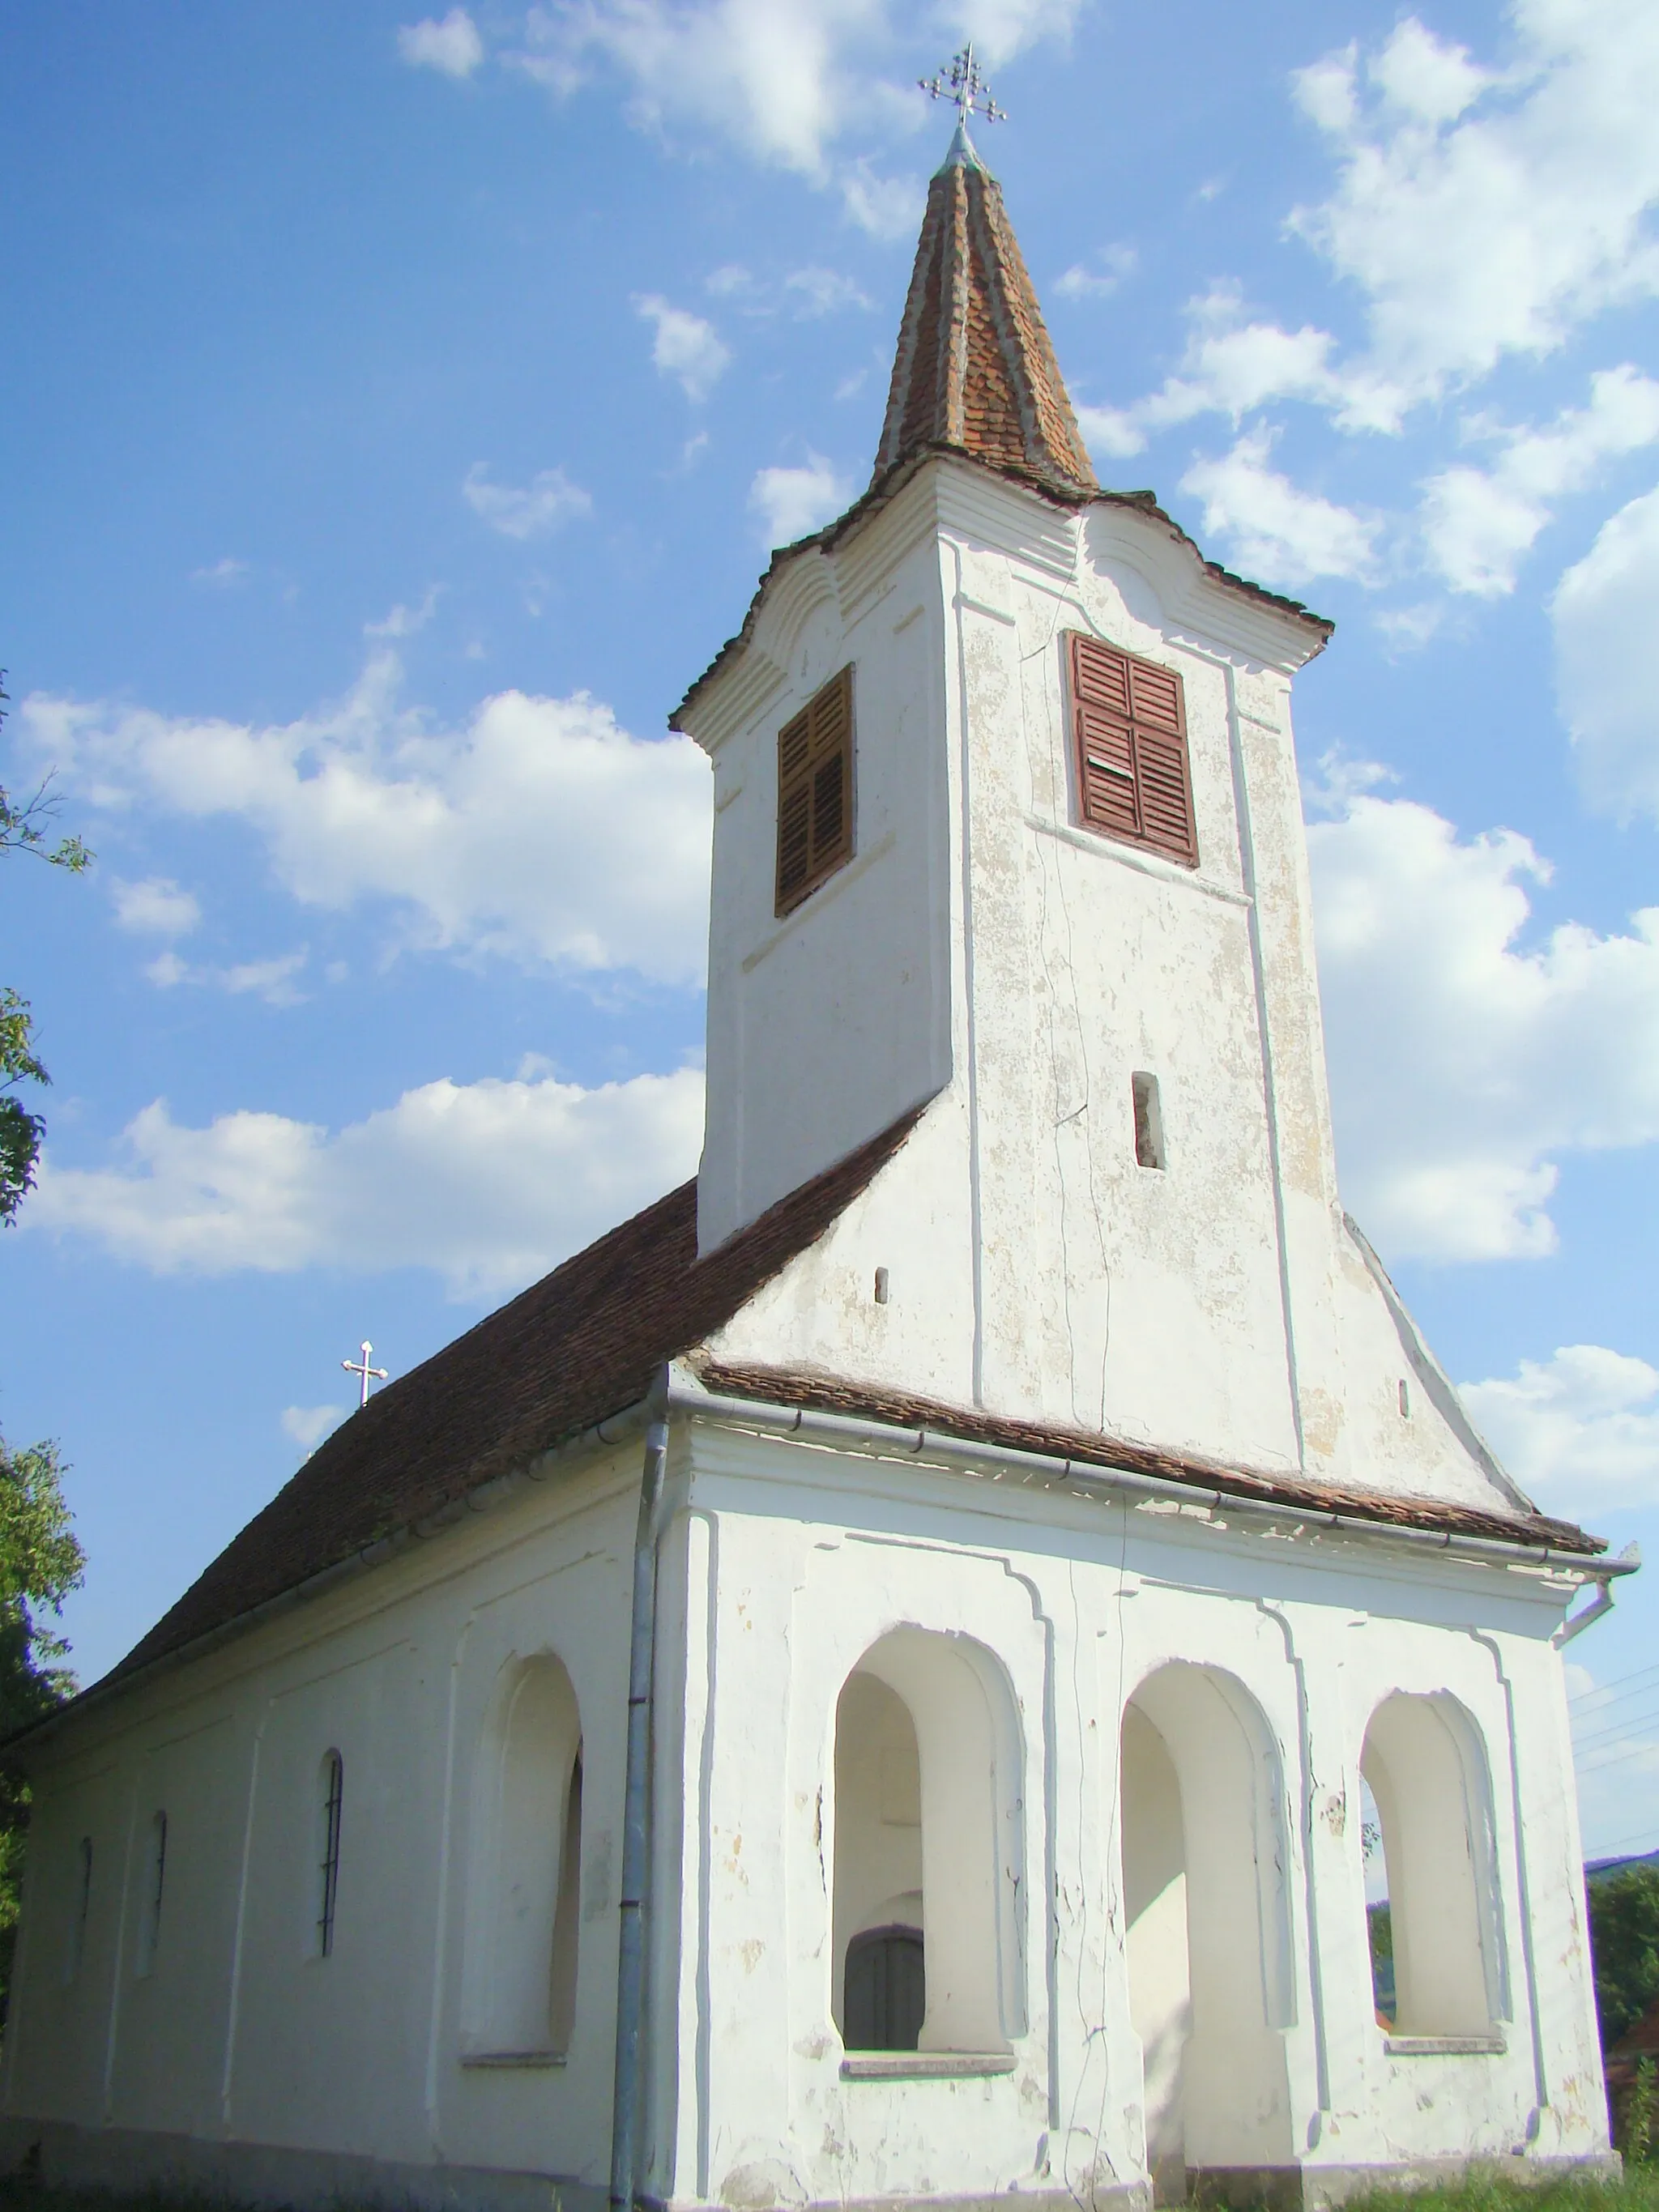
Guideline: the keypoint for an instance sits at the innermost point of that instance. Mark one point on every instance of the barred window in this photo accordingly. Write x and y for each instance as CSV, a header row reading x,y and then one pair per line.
x,y
331,1803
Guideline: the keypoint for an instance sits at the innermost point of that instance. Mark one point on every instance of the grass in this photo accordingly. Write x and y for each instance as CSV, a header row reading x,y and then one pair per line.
x,y
1638,2192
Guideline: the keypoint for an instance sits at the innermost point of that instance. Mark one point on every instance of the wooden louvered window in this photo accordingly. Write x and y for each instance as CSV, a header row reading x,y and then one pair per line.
x,y
1129,729
815,792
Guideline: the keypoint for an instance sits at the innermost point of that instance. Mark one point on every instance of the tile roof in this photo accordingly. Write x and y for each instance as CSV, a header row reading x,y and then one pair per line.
x,y
583,1343
899,1410
974,378
975,372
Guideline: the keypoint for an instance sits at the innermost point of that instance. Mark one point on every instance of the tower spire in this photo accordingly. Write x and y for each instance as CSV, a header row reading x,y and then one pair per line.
x,y
975,370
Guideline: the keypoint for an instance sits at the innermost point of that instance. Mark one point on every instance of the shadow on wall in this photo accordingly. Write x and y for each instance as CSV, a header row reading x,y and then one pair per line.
x,y
1205,1903
927,1947
518,1982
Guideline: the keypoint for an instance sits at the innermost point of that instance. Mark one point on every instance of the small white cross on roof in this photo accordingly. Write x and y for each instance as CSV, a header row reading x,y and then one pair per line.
x,y
362,1371
965,89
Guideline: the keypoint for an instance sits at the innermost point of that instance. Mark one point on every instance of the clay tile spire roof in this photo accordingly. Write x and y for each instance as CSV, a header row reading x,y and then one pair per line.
x,y
975,369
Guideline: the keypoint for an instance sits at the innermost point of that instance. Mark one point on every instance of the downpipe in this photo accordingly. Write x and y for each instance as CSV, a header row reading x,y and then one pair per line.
x,y
628,2091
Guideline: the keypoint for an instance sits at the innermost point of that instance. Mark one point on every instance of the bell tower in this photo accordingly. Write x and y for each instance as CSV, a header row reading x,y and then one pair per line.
x,y
1008,835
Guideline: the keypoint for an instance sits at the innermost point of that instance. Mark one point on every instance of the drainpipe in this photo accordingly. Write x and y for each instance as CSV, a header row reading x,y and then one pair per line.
x,y
635,1864
1576,1623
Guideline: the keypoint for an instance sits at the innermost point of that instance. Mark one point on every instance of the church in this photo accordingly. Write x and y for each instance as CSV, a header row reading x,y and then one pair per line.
x,y
892,1676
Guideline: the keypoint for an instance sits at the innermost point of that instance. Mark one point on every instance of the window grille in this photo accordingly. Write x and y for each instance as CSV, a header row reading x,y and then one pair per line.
x,y
328,1870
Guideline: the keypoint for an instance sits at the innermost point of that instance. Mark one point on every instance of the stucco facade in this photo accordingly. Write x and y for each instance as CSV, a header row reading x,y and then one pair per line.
x,y
1191,1966
949,1584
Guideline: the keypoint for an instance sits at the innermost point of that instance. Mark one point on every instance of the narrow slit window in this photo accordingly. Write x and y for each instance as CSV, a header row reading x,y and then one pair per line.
x,y
155,1876
1129,739
815,792
1149,1121
331,1803
78,1942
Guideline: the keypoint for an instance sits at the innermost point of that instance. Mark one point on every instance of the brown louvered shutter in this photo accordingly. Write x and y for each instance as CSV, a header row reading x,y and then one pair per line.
x,y
1130,728
815,792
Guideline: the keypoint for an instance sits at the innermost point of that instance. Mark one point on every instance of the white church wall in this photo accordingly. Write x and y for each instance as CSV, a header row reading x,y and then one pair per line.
x,y
1215,1305
1257,1664
826,1025
240,2033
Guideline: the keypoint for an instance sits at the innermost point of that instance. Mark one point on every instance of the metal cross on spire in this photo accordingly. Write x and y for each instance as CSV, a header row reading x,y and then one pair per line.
x,y
965,89
363,1371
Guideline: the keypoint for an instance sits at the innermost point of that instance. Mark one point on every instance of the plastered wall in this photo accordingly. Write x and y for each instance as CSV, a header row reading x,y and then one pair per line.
x,y
242,2031
985,951
1204,1900
1249,1667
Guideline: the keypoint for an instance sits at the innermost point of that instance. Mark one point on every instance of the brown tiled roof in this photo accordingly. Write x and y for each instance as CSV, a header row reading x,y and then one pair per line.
x,y
899,1410
585,1342
975,370
582,1344
976,379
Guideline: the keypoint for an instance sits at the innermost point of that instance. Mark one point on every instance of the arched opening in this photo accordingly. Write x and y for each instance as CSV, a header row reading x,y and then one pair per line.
x,y
518,1986
1207,1922
926,1868
1429,1869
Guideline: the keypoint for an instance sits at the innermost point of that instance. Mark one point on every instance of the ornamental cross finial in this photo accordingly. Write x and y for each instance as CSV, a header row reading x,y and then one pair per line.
x,y
362,1371
965,89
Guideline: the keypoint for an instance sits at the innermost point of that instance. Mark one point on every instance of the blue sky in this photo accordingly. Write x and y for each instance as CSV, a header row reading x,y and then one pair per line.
x,y
398,412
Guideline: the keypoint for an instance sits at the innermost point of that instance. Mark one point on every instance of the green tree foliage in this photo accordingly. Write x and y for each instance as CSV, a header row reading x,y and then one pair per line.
x,y
40,1563
1624,1915
26,826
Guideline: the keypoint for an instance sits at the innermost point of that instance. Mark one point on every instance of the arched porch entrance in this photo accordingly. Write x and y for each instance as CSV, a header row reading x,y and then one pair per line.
x,y
1206,1925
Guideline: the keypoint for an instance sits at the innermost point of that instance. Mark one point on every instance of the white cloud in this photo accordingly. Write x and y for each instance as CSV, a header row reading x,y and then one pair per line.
x,y
540,830
1079,281
822,292
488,1183
1112,431
1234,364
221,573
1578,1431
524,510
308,1425
449,43
1480,212
1484,213
783,80
685,347
1279,532
792,503
1463,1064
888,207
405,622
154,908
270,980
1478,524
1604,614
